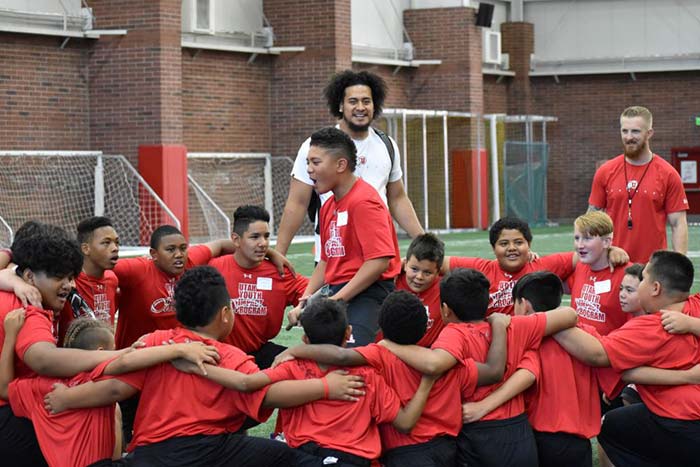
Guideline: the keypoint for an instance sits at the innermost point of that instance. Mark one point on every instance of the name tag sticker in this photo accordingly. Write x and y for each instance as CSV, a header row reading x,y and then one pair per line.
x,y
342,218
602,286
264,283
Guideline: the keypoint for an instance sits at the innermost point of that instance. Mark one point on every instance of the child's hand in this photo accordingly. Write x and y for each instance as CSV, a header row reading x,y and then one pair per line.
x,y
293,317
533,256
199,354
675,322
282,357
13,322
28,294
187,367
280,261
617,257
55,401
473,412
344,387
499,318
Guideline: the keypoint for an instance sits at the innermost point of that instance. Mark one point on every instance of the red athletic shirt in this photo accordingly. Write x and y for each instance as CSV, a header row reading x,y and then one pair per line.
x,y
443,410
354,230
642,341
346,426
258,297
74,438
176,404
659,194
472,340
430,297
38,327
565,397
595,295
146,295
100,295
502,282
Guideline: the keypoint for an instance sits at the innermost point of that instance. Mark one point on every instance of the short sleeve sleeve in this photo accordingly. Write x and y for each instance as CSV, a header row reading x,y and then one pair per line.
x,y
561,264
198,255
36,328
281,372
531,363
598,197
130,271
676,199
466,262
294,287
382,244
299,168
396,172
385,404
451,341
372,354
469,377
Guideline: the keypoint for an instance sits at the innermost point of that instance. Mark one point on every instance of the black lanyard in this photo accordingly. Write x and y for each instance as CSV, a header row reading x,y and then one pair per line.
x,y
630,192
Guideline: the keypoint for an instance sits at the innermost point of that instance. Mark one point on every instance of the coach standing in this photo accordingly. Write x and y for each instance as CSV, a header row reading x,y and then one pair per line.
x,y
355,98
640,190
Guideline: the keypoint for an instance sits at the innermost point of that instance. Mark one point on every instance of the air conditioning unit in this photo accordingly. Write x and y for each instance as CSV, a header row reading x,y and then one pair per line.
x,y
268,36
491,46
505,61
202,16
408,51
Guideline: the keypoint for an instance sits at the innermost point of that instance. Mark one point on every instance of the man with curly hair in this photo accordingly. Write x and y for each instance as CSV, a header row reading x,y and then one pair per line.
x,y
355,99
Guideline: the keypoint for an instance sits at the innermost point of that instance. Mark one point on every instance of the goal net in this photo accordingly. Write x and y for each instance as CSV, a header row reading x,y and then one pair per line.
x,y
62,188
235,179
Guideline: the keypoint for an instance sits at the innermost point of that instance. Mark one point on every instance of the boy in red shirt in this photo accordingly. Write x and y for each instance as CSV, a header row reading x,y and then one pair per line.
x,y
594,287
259,296
402,319
510,239
47,260
184,420
81,437
95,292
665,429
504,437
360,255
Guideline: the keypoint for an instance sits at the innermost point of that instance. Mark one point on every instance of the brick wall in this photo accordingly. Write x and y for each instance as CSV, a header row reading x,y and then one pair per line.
x,y
588,108
43,93
496,94
519,42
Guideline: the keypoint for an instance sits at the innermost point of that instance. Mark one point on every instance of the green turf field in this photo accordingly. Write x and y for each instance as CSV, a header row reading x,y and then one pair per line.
x,y
546,240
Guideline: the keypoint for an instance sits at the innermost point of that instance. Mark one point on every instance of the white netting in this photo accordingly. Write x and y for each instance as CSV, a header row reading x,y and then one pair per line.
x,y
63,188
232,180
5,234
207,221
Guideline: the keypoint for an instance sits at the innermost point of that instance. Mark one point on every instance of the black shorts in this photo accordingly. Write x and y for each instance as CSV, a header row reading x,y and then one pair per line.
x,y
363,311
128,408
631,395
633,436
18,444
218,451
110,463
438,452
497,443
327,456
557,449
266,354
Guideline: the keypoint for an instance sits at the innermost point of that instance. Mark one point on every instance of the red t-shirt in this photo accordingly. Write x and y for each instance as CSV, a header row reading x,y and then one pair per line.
x,y
349,427
502,282
660,193
100,295
175,404
565,397
642,341
595,295
472,340
146,295
430,297
258,297
443,410
74,438
38,327
354,230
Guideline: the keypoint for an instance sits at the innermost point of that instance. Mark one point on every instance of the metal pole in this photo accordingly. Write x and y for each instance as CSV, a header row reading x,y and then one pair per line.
x,y
493,120
405,154
446,158
425,173
99,187
269,203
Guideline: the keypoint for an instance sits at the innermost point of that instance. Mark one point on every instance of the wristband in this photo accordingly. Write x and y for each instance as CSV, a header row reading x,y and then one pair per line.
x,y
326,389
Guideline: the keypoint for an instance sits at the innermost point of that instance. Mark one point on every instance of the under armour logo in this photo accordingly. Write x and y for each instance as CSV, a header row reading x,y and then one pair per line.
x,y
247,276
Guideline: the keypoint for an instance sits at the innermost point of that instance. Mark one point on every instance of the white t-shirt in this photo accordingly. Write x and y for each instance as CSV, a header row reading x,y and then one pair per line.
x,y
373,164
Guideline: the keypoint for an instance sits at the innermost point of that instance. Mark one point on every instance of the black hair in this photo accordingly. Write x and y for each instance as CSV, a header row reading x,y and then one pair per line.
x,y
325,321
635,270
86,227
335,90
402,318
673,270
199,295
509,223
542,289
246,215
466,292
52,252
337,143
163,231
34,227
427,247
88,334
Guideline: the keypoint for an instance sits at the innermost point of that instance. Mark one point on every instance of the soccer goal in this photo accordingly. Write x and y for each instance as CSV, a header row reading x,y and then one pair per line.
x,y
64,187
5,234
234,179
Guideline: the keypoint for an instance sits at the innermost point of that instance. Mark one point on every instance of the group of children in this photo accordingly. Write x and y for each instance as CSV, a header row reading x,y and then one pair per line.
x,y
441,361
